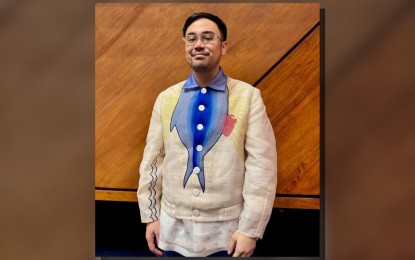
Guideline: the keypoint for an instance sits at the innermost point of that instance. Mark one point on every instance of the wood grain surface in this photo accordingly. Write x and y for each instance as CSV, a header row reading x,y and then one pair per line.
x,y
291,95
110,195
139,53
297,203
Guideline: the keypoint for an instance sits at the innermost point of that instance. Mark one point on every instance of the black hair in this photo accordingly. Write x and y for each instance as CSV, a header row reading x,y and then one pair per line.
x,y
196,16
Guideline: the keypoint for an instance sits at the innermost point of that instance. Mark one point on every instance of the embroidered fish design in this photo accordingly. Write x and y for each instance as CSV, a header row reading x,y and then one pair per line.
x,y
199,117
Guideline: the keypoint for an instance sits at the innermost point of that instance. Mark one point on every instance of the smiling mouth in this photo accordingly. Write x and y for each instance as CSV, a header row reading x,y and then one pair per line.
x,y
199,55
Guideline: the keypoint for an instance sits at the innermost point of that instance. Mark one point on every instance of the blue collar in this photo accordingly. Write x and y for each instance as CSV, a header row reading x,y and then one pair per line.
x,y
218,83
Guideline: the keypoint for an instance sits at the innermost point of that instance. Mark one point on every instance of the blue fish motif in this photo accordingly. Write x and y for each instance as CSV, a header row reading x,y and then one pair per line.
x,y
199,117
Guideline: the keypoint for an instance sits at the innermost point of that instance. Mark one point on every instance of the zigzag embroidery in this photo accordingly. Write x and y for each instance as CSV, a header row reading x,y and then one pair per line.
x,y
152,189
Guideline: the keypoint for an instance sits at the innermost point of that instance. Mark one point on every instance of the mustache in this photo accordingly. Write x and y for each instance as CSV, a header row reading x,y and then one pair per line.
x,y
206,53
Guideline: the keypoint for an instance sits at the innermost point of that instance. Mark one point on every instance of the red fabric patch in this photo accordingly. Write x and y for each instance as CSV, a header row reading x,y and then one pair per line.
x,y
229,124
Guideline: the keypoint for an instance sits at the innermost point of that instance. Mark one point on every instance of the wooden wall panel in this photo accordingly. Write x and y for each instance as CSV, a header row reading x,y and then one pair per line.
x,y
298,203
139,53
291,94
111,21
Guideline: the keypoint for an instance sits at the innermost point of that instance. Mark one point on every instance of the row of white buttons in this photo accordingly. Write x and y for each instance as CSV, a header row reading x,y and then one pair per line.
x,y
201,108
199,148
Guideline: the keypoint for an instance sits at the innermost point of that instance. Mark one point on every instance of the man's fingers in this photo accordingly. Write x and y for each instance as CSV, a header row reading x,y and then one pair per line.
x,y
152,237
244,246
153,248
157,252
231,246
150,242
241,254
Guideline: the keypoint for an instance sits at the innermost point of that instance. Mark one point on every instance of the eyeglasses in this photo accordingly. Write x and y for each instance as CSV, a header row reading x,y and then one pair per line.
x,y
206,38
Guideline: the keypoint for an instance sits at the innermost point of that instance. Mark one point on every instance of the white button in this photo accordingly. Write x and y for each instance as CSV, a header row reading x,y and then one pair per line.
x,y
201,107
203,90
196,192
196,170
196,213
199,127
199,148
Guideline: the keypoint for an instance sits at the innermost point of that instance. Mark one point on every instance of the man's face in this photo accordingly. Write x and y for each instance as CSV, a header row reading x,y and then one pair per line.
x,y
204,57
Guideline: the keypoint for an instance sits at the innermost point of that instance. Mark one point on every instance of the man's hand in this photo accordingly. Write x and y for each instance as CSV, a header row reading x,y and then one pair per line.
x,y
243,245
152,237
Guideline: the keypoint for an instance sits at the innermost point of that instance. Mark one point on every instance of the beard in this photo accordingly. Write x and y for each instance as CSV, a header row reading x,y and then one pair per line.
x,y
201,66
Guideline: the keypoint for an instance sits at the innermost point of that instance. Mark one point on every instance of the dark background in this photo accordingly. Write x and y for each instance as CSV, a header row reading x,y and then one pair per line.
x,y
120,233
47,130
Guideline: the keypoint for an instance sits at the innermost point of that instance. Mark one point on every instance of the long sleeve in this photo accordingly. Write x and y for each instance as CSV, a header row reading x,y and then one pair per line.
x,y
261,171
151,167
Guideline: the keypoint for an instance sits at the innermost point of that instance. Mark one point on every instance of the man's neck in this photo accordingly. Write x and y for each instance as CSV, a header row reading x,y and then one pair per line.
x,y
203,78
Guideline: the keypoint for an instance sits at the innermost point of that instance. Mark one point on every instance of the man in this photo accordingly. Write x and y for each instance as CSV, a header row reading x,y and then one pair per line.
x,y
208,174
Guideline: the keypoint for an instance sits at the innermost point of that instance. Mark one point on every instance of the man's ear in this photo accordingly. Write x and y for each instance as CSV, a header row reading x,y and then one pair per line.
x,y
224,47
